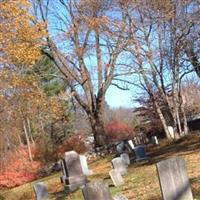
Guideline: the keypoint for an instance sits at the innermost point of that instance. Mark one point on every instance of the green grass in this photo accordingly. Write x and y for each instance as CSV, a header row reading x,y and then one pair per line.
x,y
141,182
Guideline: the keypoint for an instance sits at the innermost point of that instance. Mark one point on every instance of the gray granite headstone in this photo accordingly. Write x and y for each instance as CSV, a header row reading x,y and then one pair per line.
x,y
140,153
174,181
96,190
119,165
120,197
41,191
73,170
125,158
116,177
84,166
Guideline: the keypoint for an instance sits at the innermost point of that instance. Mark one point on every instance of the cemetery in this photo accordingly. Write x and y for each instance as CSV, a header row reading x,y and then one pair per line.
x,y
171,172
99,100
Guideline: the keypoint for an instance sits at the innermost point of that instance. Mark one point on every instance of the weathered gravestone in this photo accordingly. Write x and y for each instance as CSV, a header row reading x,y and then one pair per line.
x,y
116,177
84,166
119,165
73,170
131,145
96,190
140,153
125,158
120,197
174,181
41,191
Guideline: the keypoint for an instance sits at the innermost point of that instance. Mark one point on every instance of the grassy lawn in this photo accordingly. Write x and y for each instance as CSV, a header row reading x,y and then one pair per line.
x,y
141,182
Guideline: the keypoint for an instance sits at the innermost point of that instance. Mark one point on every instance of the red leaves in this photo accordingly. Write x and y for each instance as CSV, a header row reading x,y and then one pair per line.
x,y
118,130
18,169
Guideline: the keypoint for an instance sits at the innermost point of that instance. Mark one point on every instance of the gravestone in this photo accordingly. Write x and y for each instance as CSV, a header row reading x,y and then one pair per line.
x,y
119,165
125,158
171,132
174,181
84,166
120,197
155,140
96,190
120,147
116,177
131,145
74,173
140,153
63,168
41,191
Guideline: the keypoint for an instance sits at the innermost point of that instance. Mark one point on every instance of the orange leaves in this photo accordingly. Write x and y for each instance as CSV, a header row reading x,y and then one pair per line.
x,y
20,38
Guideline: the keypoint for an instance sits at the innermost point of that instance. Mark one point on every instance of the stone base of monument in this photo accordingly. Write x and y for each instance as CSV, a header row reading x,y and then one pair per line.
x,y
73,183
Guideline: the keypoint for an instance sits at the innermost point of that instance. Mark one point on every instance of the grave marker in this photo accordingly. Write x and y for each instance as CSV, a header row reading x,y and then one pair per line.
x,y
84,166
41,191
119,165
125,158
96,190
174,181
116,177
140,153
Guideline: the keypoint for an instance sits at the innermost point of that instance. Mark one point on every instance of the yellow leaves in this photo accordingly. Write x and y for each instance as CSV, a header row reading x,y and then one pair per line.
x,y
20,39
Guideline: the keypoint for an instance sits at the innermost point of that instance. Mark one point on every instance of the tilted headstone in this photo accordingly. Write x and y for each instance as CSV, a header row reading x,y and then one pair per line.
x,y
140,153
41,191
116,177
155,140
120,197
84,166
174,181
131,145
74,173
119,165
125,158
96,190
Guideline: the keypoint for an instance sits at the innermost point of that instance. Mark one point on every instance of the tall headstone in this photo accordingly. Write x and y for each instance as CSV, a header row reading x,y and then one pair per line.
x,y
131,145
41,191
84,166
119,165
174,181
96,190
116,177
125,158
74,173
155,140
140,153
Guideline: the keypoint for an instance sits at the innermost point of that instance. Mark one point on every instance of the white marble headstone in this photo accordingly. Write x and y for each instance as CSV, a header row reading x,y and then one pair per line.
x,y
125,158
41,191
84,166
116,177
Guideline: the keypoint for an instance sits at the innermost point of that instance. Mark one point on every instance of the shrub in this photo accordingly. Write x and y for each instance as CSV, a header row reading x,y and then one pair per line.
x,y
116,131
75,142
17,169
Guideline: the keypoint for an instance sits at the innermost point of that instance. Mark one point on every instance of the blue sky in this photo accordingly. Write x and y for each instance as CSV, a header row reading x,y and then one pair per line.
x,y
119,98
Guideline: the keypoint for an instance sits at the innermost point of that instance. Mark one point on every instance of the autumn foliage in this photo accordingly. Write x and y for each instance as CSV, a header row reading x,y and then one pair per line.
x,y
118,130
18,169
75,142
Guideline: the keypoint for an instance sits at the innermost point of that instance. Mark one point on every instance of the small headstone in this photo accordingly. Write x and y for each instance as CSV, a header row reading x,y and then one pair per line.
x,y
116,177
41,191
125,158
131,145
174,181
155,140
119,165
73,171
96,190
120,197
140,153
84,166
120,147
171,131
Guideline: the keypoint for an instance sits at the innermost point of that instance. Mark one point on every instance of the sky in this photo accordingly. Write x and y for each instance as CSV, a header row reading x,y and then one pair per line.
x,y
119,98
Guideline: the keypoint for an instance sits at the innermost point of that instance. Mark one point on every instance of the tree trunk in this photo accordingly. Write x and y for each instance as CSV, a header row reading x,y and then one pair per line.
x,y
162,119
98,130
27,141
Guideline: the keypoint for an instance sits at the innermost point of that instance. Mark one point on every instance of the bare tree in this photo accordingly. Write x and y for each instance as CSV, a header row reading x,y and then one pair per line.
x,y
84,39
